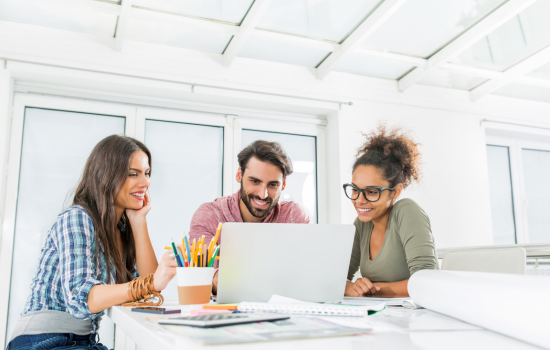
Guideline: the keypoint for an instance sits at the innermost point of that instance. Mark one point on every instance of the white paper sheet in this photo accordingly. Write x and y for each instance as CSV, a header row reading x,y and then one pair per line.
x,y
278,299
514,305
373,300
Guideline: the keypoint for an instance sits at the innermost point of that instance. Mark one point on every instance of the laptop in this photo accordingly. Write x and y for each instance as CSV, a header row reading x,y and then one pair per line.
x,y
299,261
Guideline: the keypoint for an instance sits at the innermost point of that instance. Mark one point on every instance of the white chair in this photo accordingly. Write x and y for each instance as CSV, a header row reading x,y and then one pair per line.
x,y
507,260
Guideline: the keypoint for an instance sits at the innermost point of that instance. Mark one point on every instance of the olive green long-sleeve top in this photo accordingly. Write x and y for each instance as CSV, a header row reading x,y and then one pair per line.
x,y
408,245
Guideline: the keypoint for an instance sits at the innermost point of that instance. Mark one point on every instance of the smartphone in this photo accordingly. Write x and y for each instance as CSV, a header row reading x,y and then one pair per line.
x,y
156,310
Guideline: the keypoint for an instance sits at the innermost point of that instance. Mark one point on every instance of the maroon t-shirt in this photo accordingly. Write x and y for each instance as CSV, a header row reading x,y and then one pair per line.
x,y
226,209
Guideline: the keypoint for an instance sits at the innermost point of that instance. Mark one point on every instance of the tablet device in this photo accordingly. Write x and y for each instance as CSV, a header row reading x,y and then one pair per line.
x,y
218,320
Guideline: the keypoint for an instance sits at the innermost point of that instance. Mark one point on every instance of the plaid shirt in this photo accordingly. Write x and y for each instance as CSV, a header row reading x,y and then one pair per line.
x,y
67,270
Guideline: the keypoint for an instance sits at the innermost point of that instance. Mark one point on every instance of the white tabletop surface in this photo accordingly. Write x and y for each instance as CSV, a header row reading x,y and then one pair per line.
x,y
393,328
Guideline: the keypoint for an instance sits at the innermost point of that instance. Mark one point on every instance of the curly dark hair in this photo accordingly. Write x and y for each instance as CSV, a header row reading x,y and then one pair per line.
x,y
393,152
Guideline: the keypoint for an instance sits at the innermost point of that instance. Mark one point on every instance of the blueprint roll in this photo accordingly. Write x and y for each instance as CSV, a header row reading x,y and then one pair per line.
x,y
515,305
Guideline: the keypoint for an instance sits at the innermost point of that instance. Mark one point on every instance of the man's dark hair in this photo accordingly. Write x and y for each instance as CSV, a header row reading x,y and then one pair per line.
x,y
265,151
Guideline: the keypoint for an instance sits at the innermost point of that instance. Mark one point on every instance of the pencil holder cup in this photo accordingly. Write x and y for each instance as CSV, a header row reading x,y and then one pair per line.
x,y
194,286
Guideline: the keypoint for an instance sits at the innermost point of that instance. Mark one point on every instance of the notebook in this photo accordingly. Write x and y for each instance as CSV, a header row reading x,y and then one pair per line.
x,y
279,304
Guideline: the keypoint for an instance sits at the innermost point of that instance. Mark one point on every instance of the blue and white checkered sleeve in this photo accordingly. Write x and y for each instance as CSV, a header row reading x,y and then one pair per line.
x,y
75,240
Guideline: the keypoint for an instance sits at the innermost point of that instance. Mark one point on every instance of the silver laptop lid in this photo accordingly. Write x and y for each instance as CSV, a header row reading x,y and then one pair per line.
x,y
300,261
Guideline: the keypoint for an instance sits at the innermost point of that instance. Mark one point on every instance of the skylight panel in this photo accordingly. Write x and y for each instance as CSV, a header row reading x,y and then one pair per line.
x,y
174,34
422,27
331,20
511,43
270,50
452,80
230,11
66,16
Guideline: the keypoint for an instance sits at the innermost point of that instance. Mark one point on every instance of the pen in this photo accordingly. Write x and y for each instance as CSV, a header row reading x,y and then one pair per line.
x,y
175,253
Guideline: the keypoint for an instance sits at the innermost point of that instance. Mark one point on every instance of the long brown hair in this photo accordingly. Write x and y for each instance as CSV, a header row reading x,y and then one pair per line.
x,y
104,175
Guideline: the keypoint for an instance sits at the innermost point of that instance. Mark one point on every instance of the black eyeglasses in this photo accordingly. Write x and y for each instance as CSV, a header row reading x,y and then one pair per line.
x,y
371,193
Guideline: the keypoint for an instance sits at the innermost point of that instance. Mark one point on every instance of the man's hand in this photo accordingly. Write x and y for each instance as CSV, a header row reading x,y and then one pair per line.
x,y
215,283
361,288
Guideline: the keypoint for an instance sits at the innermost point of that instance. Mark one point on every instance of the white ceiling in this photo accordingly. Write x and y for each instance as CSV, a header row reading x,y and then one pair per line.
x,y
481,46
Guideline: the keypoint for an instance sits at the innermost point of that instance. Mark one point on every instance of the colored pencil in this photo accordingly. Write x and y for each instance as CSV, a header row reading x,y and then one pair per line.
x,y
215,240
175,253
211,263
180,257
221,307
187,249
184,256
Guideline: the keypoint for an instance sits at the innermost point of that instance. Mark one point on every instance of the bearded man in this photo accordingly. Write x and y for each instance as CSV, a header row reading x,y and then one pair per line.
x,y
263,169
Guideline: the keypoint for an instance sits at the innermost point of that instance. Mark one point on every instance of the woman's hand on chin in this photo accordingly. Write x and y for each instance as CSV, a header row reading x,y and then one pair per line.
x,y
165,271
139,214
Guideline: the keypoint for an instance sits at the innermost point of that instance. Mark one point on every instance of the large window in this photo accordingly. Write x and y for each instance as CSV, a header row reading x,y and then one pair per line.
x,y
520,199
502,202
193,154
301,185
55,147
186,172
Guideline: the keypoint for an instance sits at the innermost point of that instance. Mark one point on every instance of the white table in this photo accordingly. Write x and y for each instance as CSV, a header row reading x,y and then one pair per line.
x,y
393,328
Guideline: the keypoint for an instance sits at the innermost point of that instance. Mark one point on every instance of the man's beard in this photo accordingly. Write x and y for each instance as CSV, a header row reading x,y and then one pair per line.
x,y
257,213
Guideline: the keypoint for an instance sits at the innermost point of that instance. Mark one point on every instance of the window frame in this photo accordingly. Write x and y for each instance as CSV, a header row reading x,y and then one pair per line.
x,y
519,198
135,117
20,103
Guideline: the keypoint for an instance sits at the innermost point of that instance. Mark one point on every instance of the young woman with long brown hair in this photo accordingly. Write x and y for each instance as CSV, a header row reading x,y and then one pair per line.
x,y
393,239
93,251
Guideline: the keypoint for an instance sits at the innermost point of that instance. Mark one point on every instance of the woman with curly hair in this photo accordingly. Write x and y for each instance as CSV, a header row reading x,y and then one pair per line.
x,y
393,239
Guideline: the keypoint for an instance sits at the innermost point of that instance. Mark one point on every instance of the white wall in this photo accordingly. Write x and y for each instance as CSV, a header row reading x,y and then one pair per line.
x,y
6,89
454,187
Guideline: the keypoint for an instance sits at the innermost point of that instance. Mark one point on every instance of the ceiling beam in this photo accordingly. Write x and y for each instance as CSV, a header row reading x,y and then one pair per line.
x,y
219,27
513,74
365,29
96,6
531,81
467,39
184,21
291,39
388,56
122,24
255,13
418,62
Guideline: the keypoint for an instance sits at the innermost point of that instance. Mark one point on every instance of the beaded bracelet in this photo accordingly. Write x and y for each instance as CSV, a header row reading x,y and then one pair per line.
x,y
142,288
